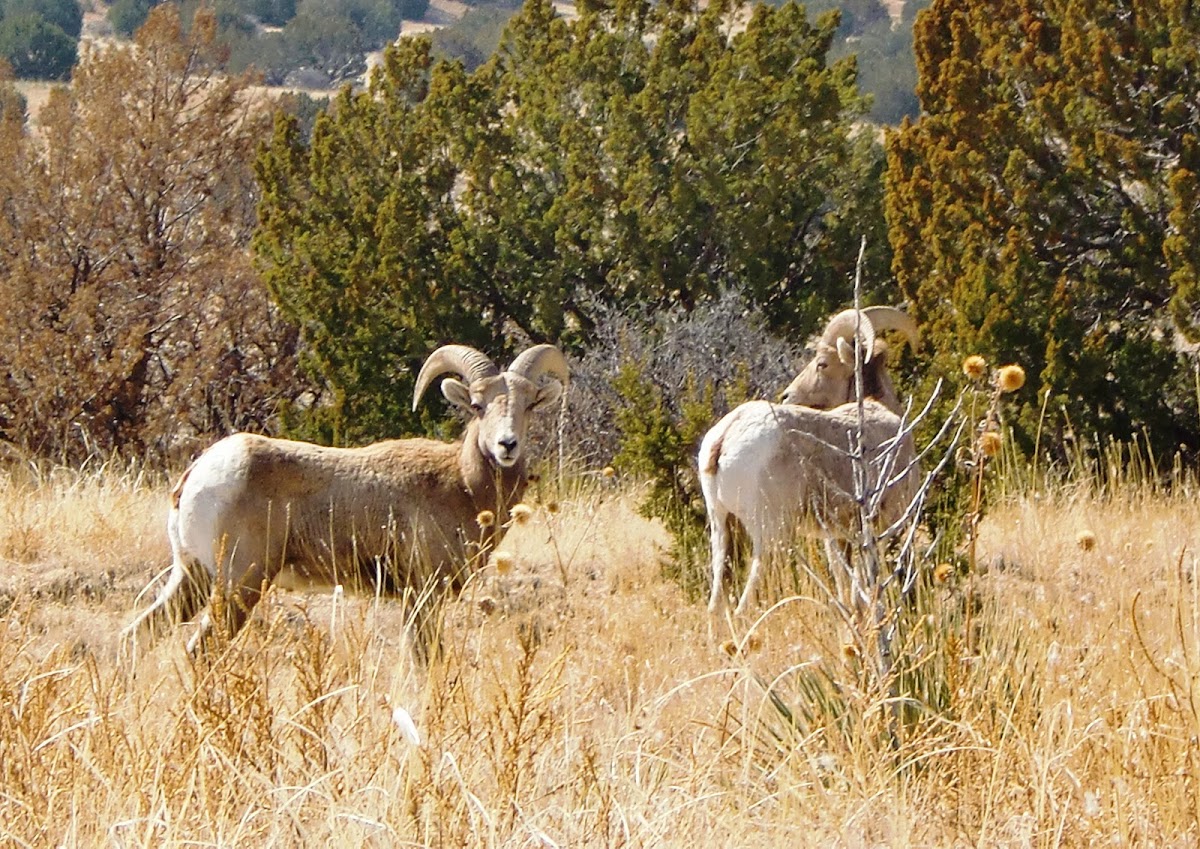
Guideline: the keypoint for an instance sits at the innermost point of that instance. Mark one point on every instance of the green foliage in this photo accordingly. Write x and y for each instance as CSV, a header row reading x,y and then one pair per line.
x,y
660,445
329,36
413,10
127,15
473,38
273,13
35,47
1045,194
887,73
887,68
856,17
65,14
38,38
352,238
587,164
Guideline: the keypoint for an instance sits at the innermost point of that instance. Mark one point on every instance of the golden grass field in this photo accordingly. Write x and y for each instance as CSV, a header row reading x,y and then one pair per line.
x,y
583,701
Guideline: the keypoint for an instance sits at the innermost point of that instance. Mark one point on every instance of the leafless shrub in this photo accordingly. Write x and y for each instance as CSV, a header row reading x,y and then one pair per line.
x,y
724,344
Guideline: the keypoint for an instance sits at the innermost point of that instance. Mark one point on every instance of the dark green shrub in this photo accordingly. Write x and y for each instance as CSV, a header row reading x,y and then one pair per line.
x,y
36,48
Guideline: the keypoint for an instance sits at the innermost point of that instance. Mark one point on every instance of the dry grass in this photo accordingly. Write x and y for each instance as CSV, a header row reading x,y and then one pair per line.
x,y
582,701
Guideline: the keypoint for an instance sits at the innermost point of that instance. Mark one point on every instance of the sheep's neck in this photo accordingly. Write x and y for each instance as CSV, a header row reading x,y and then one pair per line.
x,y
491,487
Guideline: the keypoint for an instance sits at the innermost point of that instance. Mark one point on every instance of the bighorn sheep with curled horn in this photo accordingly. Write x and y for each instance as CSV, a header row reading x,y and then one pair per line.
x,y
786,468
395,515
828,379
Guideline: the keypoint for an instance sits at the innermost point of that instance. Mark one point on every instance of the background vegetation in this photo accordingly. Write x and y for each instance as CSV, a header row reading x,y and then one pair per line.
x,y
1043,209
584,165
38,38
134,320
633,157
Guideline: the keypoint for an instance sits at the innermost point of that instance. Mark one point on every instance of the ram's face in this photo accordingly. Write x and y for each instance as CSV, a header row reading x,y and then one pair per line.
x,y
503,405
825,382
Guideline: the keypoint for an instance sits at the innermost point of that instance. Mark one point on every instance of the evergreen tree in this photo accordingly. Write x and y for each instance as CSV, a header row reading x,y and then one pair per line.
x,y
127,15
355,230
64,14
36,48
640,154
1043,207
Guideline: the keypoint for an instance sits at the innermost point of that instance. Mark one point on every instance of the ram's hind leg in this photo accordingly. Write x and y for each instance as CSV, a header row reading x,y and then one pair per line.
x,y
718,527
241,585
754,575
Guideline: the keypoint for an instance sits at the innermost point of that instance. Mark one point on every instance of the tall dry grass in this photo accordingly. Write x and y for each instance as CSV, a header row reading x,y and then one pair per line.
x,y
582,700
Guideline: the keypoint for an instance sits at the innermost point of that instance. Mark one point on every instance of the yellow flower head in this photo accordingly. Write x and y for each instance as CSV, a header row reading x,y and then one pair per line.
x,y
608,472
552,507
942,572
1086,540
521,513
503,561
974,367
990,443
485,519
849,651
1010,378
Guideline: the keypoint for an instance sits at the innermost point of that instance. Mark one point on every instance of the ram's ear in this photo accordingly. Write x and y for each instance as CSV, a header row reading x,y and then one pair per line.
x,y
548,393
456,392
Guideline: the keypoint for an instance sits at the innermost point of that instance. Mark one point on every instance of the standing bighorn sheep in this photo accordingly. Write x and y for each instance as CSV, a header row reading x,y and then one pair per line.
x,y
397,515
786,468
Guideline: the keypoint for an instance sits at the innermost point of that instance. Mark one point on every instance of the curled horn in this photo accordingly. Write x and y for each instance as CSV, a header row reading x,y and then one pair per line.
x,y
842,325
540,360
890,318
462,360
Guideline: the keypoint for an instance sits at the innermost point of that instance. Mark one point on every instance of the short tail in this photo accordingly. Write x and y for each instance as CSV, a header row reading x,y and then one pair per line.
x,y
710,455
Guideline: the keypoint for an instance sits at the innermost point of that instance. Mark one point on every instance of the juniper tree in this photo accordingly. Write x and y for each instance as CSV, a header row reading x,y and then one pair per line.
x,y
1042,209
638,154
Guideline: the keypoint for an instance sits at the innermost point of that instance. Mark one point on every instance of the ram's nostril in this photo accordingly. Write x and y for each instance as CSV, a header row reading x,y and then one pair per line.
x,y
508,443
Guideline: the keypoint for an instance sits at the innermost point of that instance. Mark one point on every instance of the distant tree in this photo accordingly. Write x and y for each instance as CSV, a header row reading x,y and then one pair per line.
x,y
355,229
473,38
413,10
887,69
855,16
13,105
1043,208
36,48
273,13
133,319
127,15
330,42
65,14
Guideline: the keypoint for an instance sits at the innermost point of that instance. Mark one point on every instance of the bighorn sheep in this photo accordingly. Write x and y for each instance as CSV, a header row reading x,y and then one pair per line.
x,y
397,514
787,468
828,379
